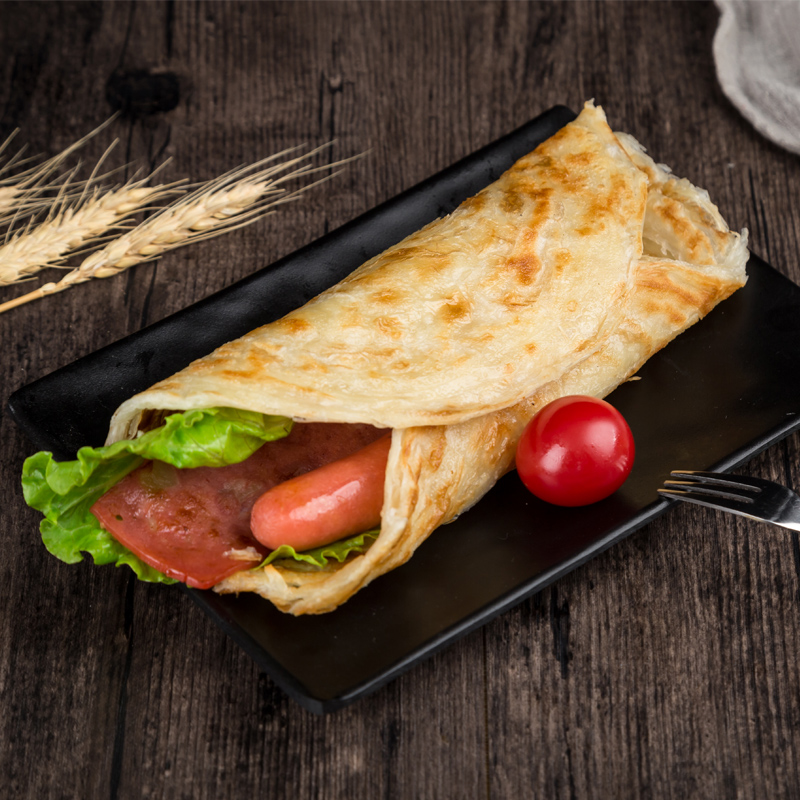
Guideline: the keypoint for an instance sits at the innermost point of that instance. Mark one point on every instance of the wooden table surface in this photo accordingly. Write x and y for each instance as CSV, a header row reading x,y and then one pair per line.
x,y
667,667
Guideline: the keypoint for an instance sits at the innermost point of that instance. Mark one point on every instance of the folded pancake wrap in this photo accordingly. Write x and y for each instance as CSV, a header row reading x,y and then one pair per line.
x,y
562,277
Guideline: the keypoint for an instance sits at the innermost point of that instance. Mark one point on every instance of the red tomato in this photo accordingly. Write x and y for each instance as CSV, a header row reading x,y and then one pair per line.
x,y
575,451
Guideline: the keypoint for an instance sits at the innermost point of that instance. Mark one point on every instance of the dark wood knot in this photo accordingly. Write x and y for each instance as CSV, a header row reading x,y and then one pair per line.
x,y
141,93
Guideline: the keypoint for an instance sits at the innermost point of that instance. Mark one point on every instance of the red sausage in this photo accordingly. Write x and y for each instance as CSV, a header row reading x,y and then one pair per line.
x,y
341,499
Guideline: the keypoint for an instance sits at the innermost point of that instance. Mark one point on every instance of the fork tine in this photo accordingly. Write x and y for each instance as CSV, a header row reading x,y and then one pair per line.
x,y
745,483
732,503
721,490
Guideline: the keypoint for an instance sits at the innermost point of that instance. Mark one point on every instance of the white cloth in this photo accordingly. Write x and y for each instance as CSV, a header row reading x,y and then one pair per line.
x,y
757,53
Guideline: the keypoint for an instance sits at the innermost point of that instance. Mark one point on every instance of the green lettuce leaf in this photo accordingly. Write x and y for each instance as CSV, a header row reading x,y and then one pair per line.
x,y
65,491
312,560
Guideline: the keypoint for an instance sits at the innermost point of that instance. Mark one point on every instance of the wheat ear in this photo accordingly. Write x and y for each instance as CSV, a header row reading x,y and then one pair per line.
x,y
21,193
73,227
231,201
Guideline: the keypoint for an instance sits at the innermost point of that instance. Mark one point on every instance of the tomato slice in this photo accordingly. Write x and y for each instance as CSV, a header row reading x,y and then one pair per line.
x,y
575,451
194,524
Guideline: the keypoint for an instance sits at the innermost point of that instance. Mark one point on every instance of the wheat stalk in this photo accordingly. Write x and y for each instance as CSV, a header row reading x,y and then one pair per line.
x,y
231,201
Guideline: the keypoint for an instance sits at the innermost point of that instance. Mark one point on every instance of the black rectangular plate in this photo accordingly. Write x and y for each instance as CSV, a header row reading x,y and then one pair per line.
x,y
721,392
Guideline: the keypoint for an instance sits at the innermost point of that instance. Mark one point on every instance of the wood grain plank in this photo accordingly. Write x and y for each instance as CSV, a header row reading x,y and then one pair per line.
x,y
667,667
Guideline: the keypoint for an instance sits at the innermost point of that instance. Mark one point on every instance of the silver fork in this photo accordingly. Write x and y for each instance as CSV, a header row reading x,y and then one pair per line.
x,y
756,498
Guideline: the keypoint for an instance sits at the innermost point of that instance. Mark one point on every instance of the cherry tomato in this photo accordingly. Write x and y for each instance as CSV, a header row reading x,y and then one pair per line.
x,y
575,451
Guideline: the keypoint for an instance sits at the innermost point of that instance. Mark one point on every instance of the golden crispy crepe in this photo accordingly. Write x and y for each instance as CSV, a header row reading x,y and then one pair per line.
x,y
563,277
466,316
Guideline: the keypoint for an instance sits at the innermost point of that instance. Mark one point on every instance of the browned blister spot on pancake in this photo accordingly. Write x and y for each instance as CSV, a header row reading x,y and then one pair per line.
x,y
236,374
251,366
565,180
386,296
497,434
456,309
528,239
540,196
616,201
474,204
513,301
569,167
512,202
561,259
389,326
384,353
292,325
586,345
257,358
313,366
657,306
537,160
693,240
579,160
490,435
625,198
439,500
667,295
438,446
659,282
525,268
